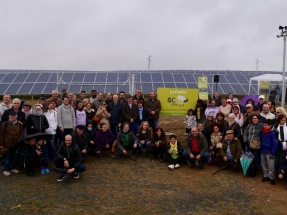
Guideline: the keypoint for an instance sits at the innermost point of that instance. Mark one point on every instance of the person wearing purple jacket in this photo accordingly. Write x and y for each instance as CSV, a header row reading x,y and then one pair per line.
x,y
268,150
104,140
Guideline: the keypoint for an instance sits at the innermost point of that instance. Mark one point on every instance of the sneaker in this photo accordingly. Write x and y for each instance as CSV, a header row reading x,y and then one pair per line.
x,y
176,165
62,178
171,166
265,179
133,158
76,175
47,170
113,155
15,171
6,173
43,171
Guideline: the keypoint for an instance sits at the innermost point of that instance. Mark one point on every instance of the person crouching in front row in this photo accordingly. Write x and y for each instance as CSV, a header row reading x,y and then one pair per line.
x,y
126,140
69,156
230,152
174,152
196,152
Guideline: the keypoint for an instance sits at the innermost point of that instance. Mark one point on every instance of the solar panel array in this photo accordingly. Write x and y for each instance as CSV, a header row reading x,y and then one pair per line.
x,y
43,82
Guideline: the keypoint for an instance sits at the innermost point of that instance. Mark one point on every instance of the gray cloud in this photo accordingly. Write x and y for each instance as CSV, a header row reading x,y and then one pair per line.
x,y
117,35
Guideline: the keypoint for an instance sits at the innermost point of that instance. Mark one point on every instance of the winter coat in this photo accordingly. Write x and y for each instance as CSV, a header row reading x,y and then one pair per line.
x,y
103,138
66,117
201,143
121,139
129,113
155,139
268,144
20,116
235,127
179,148
105,117
144,116
116,112
37,124
89,114
153,105
52,120
252,132
90,134
144,136
235,148
10,133
72,154
81,141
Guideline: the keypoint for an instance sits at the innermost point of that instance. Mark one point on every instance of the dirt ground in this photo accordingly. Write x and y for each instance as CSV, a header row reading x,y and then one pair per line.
x,y
123,186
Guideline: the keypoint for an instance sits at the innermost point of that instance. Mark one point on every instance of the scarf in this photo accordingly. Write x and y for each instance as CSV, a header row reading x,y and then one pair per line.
x,y
141,113
266,130
282,129
173,148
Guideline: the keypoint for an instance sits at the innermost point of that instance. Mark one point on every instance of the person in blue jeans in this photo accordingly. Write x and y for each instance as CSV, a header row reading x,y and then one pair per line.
x,y
69,156
196,152
144,137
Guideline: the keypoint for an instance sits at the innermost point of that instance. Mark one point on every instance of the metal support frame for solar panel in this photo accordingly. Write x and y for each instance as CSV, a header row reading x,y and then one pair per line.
x,y
131,80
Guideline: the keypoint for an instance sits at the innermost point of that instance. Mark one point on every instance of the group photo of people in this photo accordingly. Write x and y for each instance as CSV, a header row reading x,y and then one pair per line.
x,y
57,133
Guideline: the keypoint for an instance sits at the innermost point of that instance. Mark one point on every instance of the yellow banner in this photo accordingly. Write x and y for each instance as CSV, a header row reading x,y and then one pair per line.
x,y
203,87
264,87
176,101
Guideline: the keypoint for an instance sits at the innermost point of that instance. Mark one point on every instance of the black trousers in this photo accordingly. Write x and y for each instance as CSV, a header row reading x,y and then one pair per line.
x,y
155,151
172,160
128,148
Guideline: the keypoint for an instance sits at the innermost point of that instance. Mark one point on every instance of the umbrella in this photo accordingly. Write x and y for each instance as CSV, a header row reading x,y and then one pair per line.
x,y
62,172
38,136
245,160
229,164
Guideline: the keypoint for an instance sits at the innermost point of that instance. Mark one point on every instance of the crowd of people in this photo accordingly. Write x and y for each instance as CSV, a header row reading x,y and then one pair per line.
x,y
215,133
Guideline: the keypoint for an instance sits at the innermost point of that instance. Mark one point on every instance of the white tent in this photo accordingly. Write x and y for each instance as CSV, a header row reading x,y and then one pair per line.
x,y
266,77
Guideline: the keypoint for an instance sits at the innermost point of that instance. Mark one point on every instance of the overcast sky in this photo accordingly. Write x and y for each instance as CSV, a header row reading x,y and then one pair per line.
x,y
103,35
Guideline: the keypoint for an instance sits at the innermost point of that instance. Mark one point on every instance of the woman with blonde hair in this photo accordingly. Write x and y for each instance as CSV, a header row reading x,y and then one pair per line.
x,y
281,110
144,137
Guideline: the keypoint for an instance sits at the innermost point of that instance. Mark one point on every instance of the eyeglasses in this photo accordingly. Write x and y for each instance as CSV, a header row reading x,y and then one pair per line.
x,y
248,107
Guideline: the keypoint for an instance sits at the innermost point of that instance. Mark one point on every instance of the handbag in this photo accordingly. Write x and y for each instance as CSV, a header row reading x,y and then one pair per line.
x,y
254,143
96,118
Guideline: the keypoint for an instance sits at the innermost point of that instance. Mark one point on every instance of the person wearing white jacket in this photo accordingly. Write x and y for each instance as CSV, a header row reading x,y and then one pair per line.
x,y
51,116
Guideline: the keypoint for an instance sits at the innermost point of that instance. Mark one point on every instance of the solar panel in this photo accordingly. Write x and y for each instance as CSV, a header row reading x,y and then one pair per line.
x,y
156,77
37,88
49,88
25,89
67,77
78,77
32,77
101,78
90,78
44,77
9,78
21,77
13,88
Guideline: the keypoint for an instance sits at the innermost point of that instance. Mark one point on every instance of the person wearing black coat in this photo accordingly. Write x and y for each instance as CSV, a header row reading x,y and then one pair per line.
x,y
116,112
80,139
30,156
90,132
69,157
174,152
37,121
232,125
282,171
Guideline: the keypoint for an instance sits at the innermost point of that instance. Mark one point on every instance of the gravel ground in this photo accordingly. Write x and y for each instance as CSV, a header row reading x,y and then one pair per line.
x,y
122,186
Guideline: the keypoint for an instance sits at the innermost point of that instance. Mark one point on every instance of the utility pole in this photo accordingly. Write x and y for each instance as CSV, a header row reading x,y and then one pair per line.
x,y
149,60
283,34
257,61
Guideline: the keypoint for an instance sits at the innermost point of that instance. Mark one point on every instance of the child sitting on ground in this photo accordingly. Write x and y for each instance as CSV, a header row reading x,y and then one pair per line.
x,y
189,121
42,153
